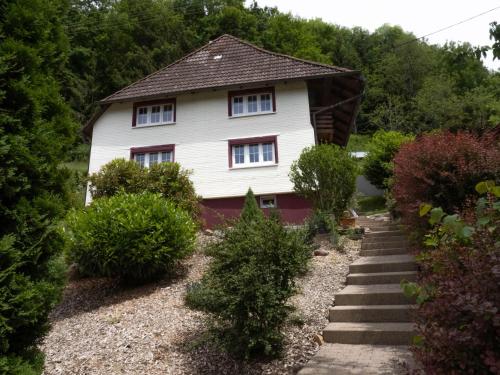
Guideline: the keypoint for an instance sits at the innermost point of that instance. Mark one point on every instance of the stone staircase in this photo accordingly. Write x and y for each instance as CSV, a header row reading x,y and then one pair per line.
x,y
371,314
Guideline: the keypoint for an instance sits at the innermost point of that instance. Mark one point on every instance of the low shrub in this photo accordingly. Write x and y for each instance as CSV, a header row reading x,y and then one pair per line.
x,y
133,236
249,282
442,169
326,175
167,179
378,165
459,299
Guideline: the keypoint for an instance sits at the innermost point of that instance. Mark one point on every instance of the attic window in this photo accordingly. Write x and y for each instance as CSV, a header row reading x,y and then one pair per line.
x,y
251,102
157,112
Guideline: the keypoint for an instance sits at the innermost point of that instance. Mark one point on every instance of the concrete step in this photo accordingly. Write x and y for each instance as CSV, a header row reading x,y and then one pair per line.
x,y
369,333
376,294
383,263
385,239
380,277
383,244
345,359
384,251
384,234
371,313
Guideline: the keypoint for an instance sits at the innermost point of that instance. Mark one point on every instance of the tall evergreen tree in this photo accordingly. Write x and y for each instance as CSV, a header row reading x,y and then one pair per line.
x,y
36,129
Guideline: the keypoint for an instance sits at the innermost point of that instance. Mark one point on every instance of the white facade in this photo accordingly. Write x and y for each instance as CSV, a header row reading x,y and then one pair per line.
x,y
201,133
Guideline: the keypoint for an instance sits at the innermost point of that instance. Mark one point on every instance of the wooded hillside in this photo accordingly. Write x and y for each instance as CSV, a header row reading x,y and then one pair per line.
x,y
411,86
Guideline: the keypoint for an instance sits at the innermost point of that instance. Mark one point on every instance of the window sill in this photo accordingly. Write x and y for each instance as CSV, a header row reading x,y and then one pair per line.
x,y
252,115
253,166
152,126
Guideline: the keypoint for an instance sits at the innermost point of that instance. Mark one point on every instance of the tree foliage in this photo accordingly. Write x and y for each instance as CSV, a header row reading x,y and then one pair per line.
x,y
250,280
378,165
412,86
36,131
326,175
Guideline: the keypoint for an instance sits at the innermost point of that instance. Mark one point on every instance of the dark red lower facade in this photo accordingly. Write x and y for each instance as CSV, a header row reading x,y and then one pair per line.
x,y
293,209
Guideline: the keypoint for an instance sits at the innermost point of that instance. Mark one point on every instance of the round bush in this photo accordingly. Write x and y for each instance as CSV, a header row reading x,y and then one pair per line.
x,y
167,179
326,175
442,170
135,237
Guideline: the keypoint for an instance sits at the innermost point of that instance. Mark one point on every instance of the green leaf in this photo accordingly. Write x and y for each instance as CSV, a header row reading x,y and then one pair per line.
x,y
484,186
483,221
418,340
467,231
496,191
424,209
436,215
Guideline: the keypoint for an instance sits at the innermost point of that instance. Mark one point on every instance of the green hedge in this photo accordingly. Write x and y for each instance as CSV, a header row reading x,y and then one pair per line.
x,y
134,236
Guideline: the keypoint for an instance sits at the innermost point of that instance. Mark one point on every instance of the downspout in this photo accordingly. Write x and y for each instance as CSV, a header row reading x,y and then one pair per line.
x,y
330,108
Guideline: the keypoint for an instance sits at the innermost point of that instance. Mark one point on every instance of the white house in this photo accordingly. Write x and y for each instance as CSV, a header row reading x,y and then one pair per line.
x,y
234,114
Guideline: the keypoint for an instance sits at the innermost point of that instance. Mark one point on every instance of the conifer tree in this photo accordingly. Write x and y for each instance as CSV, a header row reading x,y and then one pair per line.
x,y
251,211
36,130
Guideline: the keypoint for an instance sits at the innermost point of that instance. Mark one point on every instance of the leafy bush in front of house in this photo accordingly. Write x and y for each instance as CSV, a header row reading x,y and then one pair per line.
x,y
133,236
442,169
326,175
167,179
249,282
458,294
378,165
115,176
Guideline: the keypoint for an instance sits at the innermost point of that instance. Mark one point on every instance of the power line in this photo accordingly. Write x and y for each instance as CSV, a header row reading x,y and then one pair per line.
x,y
447,27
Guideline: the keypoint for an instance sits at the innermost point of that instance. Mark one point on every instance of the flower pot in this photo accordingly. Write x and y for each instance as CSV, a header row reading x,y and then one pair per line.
x,y
349,222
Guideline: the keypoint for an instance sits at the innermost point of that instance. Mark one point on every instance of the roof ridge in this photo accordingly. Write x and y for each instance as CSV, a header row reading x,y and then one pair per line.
x,y
164,68
288,56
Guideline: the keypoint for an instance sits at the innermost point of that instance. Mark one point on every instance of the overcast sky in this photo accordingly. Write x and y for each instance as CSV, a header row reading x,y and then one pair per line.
x,y
420,17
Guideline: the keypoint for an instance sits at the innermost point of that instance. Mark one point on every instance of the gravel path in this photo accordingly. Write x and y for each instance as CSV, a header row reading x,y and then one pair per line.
x,y
102,328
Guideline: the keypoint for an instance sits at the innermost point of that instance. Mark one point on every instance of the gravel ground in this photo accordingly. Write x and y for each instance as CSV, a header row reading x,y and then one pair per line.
x,y
103,328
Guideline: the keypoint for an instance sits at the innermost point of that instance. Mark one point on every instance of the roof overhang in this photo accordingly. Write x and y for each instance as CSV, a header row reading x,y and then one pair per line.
x,y
105,104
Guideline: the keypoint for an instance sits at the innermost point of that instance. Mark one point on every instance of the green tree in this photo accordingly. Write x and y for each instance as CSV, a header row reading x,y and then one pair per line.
x,y
495,36
378,166
251,211
36,130
326,175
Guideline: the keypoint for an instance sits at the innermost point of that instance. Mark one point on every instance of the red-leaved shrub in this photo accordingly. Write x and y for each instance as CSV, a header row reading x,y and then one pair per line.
x,y
459,321
442,169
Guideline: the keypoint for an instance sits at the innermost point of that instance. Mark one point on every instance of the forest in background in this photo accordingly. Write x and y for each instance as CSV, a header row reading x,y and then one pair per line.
x,y
412,86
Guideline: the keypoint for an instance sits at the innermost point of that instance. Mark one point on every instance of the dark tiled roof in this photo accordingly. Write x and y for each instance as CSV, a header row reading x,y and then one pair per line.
x,y
227,61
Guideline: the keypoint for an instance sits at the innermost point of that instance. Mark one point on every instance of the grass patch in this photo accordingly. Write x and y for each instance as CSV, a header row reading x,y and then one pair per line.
x,y
371,205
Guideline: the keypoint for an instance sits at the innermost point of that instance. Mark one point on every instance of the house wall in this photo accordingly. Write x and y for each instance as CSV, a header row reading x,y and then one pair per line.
x,y
292,208
201,134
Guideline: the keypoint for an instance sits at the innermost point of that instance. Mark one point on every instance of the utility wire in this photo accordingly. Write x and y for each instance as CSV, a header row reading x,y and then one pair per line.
x,y
447,27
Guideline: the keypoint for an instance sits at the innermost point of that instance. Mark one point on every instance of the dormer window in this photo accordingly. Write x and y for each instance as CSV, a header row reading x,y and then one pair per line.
x,y
251,102
158,112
